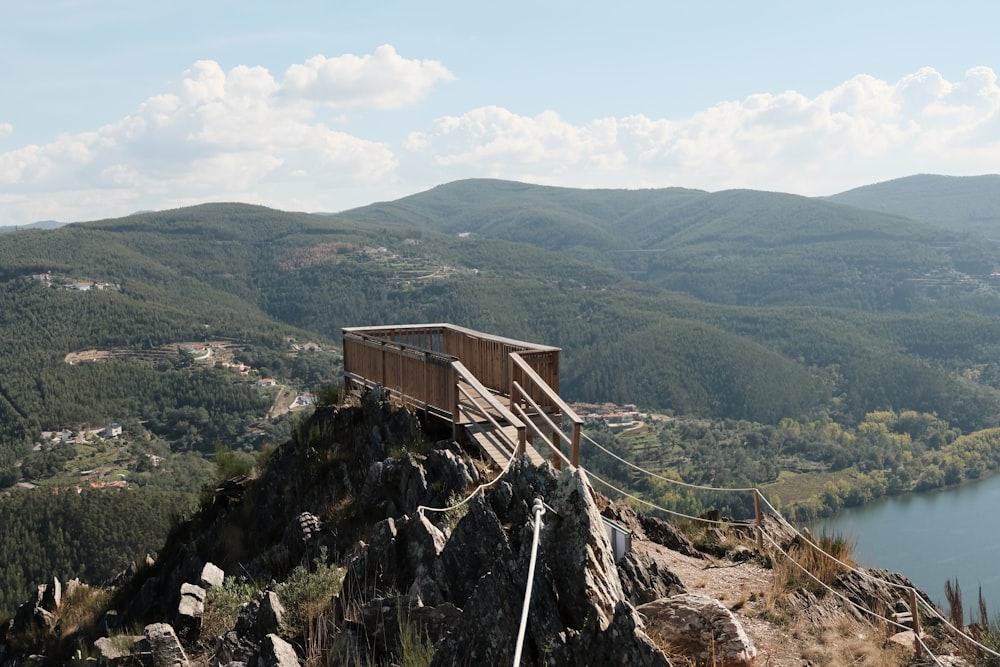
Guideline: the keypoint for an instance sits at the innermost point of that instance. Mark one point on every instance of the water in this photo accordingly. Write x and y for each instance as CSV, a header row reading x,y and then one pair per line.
x,y
933,537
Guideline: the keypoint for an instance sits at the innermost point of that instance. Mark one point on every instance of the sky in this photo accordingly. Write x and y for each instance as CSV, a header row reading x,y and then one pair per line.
x,y
108,107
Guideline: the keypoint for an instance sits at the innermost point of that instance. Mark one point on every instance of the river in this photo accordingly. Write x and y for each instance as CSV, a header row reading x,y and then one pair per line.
x,y
933,537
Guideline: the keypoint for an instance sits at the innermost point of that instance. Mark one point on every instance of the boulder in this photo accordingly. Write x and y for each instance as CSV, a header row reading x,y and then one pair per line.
x,y
276,652
261,617
190,610
644,579
232,649
699,628
211,576
122,651
164,646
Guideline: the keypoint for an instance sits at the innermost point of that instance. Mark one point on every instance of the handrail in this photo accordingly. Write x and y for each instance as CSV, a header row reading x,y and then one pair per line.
x,y
462,373
555,428
554,400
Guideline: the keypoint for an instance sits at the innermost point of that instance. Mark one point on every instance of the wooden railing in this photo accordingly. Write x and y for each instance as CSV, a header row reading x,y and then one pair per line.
x,y
484,355
497,411
526,386
426,366
419,377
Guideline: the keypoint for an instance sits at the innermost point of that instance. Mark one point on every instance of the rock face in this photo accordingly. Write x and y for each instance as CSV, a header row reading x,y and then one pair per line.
x,y
190,610
37,616
165,647
578,612
346,491
699,628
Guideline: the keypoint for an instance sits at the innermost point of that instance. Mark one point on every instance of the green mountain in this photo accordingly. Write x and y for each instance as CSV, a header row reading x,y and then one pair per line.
x,y
748,309
960,204
736,304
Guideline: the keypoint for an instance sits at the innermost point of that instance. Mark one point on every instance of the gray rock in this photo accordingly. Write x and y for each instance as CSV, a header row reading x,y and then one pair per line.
x,y
122,650
211,576
700,628
276,652
261,617
233,649
190,610
578,614
644,580
52,596
164,646
583,563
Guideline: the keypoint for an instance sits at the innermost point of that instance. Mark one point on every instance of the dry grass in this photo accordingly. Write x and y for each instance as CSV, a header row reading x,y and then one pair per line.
x,y
82,608
814,569
850,643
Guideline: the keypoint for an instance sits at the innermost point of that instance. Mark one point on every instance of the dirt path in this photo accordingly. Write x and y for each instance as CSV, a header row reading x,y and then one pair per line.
x,y
782,638
283,402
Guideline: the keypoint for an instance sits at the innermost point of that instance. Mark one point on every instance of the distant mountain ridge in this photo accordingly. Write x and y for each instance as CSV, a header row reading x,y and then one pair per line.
x,y
958,203
41,224
739,303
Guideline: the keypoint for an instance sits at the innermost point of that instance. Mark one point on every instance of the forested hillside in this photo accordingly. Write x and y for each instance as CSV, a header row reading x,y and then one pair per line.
x,y
735,304
738,305
962,204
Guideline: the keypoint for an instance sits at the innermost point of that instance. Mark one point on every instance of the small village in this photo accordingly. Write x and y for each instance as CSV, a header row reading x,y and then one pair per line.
x,y
616,418
57,281
101,461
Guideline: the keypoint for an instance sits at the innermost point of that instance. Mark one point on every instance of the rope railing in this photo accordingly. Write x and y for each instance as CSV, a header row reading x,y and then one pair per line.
x,y
661,477
759,497
538,509
517,415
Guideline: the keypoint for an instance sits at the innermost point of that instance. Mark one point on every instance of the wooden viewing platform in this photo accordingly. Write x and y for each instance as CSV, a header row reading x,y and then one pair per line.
x,y
501,393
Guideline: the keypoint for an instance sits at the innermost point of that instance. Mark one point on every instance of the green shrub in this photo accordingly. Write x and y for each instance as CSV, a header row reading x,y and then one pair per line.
x,y
306,593
222,607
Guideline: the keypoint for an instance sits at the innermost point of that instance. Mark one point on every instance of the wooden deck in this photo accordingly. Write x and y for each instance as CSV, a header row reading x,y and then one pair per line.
x,y
499,393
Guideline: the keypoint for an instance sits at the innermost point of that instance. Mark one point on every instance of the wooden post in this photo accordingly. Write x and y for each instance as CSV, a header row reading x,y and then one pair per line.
x,y
456,414
759,519
574,450
557,450
915,613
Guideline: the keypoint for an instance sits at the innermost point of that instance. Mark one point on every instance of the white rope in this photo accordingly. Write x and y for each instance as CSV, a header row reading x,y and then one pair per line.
x,y
857,606
653,474
538,509
482,487
655,506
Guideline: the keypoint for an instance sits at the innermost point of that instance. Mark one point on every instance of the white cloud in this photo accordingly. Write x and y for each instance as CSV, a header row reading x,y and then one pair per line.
x,y
858,132
243,135
212,134
382,80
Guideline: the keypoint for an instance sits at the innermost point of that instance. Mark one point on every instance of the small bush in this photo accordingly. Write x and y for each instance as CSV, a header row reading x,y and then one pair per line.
x,y
306,593
222,607
451,518
415,649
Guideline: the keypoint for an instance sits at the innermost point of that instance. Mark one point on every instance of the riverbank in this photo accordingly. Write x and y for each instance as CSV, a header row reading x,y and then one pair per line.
x,y
932,537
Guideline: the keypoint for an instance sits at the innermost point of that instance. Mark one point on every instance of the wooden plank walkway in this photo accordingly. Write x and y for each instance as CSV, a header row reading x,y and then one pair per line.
x,y
497,446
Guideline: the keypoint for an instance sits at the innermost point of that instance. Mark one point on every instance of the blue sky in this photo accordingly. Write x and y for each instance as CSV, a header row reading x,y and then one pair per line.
x,y
108,107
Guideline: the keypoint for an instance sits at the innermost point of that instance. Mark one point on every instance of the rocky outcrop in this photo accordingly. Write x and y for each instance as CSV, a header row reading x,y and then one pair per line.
x,y
36,618
164,646
276,652
454,581
578,608
700,629
190,610
211,576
